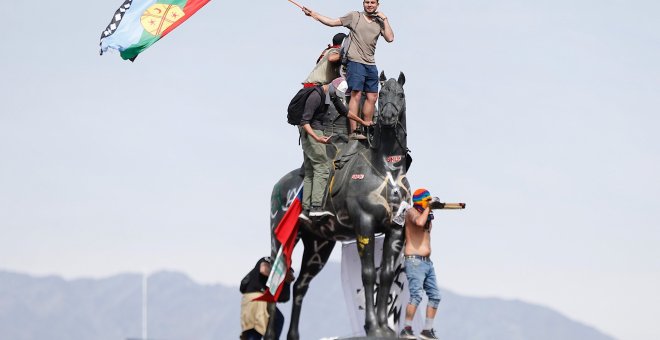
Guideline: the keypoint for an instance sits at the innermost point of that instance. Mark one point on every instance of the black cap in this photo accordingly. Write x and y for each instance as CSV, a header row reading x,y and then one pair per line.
x,y
338,38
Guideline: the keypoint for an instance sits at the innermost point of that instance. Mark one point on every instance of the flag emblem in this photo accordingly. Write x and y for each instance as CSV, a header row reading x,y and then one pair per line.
x,y
160,17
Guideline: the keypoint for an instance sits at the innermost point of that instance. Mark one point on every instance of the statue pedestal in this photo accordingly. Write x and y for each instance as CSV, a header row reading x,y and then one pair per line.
x,y
368,338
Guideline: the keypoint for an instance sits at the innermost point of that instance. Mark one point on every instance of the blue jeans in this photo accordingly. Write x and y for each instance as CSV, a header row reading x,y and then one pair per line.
x,y
421,278
362,77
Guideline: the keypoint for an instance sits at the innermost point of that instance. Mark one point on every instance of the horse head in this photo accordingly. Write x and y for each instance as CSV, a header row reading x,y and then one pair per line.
x,y
391,121
391,101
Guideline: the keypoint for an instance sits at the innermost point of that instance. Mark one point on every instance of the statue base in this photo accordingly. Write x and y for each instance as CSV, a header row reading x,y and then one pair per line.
x,y
369,338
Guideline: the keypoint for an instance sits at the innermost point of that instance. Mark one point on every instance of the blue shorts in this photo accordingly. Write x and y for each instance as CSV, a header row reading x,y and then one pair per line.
x,y
421,279
361,77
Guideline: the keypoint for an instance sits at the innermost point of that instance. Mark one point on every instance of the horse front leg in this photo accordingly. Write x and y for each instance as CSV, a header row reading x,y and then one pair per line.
x,y
392,246
366,246
271,329
315,256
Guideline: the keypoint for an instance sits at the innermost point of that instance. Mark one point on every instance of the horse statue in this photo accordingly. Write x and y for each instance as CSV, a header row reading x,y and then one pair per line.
x,y
364,194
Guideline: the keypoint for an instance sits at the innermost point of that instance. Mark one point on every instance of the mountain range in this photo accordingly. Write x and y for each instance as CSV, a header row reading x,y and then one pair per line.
x,y
52,308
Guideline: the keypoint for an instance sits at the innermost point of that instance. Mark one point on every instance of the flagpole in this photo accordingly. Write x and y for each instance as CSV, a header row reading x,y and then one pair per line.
x,y
144,306
295,3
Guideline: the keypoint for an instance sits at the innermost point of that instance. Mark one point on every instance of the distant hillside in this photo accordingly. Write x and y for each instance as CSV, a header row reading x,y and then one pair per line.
x,y
50,308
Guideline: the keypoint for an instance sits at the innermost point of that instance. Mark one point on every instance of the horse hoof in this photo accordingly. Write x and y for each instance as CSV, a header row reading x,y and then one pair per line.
x,y
386,332
389,332
382,333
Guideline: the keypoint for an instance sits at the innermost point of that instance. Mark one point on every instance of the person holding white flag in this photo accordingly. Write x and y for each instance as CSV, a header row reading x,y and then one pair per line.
x,y
254,313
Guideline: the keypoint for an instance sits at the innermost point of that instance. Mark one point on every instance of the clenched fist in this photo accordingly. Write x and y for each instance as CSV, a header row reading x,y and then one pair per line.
x,y
436,204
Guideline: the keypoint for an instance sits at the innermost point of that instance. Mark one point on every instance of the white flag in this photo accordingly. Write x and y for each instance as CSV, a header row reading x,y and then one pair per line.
x,y
277,273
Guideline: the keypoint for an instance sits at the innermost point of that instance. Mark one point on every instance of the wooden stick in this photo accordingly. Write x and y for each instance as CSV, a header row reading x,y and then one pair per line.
x,y
295,3
454,206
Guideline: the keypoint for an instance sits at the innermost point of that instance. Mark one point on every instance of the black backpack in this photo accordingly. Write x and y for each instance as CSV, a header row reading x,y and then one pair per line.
x,y
297,104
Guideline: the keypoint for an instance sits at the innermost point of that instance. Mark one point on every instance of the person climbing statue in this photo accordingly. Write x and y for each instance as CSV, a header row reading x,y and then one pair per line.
x,y
361,71
327,65
254,314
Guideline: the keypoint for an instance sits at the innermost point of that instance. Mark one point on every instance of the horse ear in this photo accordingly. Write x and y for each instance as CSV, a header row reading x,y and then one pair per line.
x,y
402,78
382,77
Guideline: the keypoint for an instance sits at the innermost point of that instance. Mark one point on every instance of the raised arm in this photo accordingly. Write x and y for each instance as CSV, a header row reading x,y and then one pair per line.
x,y
321,18
419,219
386,29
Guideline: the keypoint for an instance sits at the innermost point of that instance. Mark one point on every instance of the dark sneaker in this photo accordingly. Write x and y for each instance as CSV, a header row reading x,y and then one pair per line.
x,y
319,212
428,334
304,215
407,333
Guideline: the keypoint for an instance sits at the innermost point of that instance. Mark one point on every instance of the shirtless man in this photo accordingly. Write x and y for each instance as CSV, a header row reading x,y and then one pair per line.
x,y
418,265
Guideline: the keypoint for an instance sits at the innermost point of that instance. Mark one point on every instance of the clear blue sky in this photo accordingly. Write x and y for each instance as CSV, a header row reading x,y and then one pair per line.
x,y
541,115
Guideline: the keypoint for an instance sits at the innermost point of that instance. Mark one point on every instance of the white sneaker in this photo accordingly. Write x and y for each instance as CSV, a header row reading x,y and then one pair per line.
x,y
318,212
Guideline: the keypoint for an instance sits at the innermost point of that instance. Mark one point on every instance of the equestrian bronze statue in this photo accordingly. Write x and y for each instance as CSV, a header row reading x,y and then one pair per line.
x,y
364,192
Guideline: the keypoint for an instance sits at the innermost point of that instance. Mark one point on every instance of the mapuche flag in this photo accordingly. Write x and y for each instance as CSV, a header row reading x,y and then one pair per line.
x,y
286,233
138,24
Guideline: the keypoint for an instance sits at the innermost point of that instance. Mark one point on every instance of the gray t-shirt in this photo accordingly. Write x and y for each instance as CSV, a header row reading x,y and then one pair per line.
x,y
316,111
363,35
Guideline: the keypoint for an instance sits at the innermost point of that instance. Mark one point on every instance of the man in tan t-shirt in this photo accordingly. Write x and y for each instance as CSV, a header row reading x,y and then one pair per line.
x,y
361,71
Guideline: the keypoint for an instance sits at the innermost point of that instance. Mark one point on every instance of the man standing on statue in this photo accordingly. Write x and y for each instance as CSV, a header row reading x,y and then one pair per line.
x,y
312,138
361,71
418,264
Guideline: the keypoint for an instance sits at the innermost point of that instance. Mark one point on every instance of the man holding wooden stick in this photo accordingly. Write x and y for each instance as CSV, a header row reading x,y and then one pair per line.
x,y
361,71
418,265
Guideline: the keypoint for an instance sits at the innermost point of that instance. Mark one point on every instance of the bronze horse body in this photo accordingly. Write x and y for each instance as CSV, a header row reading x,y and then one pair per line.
x,y
368,185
